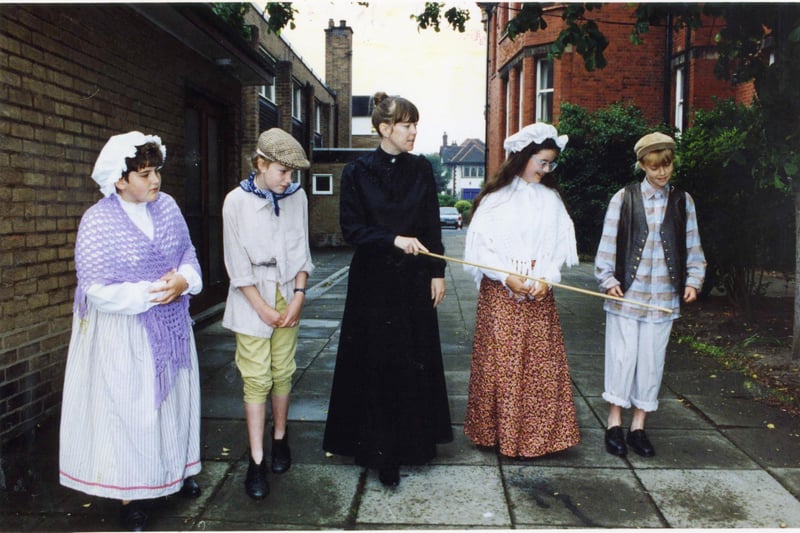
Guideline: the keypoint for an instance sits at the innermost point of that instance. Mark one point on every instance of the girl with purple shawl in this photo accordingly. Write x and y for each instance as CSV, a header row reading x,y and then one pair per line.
x,y
130,419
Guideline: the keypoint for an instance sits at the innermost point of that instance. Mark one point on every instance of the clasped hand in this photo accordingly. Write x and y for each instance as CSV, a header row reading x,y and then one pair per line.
x,y
288,319
171,286
522,289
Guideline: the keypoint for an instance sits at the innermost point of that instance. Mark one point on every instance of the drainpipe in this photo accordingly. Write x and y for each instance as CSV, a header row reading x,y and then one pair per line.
x,y
667,103
687,57
487,9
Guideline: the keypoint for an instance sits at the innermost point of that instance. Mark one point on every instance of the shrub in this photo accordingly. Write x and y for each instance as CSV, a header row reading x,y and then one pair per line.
x,y
465,208
446,200
598,161
746,223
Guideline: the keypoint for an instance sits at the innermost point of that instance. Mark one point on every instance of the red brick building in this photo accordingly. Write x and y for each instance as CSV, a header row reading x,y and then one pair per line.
x,y
668,76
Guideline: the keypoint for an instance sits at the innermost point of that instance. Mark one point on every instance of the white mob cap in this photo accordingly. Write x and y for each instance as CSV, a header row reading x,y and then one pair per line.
x,y
537,133
110,164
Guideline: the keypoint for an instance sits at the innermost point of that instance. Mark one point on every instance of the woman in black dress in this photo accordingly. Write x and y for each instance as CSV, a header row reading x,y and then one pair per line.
x,y
389,400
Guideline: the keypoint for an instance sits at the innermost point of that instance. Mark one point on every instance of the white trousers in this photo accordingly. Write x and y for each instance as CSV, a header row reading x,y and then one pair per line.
x,y
634,366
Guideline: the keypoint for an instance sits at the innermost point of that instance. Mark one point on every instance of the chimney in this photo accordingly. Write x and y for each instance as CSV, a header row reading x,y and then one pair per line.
x,y
444,139
339,77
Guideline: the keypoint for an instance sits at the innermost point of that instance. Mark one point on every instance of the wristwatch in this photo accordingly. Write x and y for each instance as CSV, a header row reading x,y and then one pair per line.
x,y
298,289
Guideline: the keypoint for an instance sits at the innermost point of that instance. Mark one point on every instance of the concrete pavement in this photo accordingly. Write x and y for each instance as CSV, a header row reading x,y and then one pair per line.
x,y
723,460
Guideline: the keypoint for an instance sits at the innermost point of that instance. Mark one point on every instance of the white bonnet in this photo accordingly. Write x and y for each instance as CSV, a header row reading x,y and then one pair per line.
x,y
110,164
537,133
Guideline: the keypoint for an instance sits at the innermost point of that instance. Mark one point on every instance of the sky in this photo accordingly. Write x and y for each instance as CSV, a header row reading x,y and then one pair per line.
x,y
443,74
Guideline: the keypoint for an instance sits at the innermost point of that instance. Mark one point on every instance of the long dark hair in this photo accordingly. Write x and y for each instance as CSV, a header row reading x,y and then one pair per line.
x,y
514,166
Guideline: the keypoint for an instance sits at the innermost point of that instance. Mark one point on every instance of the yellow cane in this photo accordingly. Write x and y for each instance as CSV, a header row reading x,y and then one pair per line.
x,y
554,284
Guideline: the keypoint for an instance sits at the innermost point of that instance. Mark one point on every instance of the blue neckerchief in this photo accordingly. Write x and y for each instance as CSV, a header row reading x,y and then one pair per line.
x,y
249,185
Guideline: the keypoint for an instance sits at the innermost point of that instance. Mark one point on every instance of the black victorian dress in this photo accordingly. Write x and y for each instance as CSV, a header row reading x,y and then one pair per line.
x,y
388,403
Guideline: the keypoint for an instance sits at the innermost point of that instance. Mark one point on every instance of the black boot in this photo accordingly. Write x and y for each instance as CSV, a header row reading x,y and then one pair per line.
x,y
133,515
255,484
281,455
190,488
389,475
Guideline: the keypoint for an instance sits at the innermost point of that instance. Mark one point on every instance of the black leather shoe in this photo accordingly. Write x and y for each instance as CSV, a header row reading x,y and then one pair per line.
x,y
281,454
255,484
389,476
133,515
615,441
639,443
190,488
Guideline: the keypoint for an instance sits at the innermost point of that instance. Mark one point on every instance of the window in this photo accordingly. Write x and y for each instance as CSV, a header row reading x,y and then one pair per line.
x,y
268,92
679,99
318,118
297,101
322,184
544,90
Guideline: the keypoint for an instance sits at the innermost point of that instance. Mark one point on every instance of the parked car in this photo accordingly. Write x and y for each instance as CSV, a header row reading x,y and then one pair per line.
x,y
450,217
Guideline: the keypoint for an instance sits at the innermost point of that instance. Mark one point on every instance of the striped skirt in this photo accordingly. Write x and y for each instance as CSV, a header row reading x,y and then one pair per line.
x,y
520,392
115,443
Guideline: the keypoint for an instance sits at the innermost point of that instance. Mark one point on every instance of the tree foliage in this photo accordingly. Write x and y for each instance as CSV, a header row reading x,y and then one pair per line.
x,y
745,222
440,174
432,14
598,161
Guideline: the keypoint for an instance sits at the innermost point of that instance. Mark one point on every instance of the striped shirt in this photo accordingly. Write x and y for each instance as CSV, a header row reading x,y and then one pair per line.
x,y
652,284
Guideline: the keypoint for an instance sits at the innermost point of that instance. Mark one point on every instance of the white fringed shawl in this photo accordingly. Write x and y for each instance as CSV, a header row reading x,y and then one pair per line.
x,y
518,224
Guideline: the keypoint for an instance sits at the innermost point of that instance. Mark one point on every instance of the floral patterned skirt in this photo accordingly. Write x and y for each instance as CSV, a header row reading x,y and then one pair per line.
x,y
520,393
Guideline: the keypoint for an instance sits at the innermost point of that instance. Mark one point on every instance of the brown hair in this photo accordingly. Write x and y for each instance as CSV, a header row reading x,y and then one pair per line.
x,y
514,166
657,158
392,109
147,155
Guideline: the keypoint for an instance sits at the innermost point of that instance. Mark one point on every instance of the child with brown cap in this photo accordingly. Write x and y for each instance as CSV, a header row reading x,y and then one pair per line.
x,y
265,237
649,252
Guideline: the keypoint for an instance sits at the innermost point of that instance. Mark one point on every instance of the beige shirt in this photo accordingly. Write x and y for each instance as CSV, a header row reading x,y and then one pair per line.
x,y
263,250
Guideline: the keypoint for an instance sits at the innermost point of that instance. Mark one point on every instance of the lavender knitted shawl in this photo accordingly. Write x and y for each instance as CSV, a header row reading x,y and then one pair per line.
x,y
111,249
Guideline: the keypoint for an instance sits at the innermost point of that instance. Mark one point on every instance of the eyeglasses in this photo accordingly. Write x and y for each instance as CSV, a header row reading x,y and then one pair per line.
x,y
549,165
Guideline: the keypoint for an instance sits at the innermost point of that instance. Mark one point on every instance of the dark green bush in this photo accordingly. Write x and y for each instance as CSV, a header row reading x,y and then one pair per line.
x,y
746,223
598,161
465,208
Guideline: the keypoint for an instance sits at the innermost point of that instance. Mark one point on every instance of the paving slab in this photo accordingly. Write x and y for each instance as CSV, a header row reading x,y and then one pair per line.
x,y
728,412
309,495
462,451
577,498
788,477
692,448
779,447
309,408
223,439
430,496
721,499
588,453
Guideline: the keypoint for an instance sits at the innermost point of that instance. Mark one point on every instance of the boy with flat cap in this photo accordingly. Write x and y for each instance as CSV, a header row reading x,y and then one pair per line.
x,y
265,238
649,252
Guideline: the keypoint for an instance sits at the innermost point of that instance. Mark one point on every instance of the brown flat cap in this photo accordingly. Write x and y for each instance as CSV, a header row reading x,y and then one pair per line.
x,y
652,142
277,145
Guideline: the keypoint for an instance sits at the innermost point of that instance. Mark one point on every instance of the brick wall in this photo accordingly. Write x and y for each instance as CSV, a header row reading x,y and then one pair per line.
x,y
323,218
72,75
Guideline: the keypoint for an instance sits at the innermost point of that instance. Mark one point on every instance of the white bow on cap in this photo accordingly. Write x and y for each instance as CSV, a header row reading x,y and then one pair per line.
x,y
537,133
110,164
